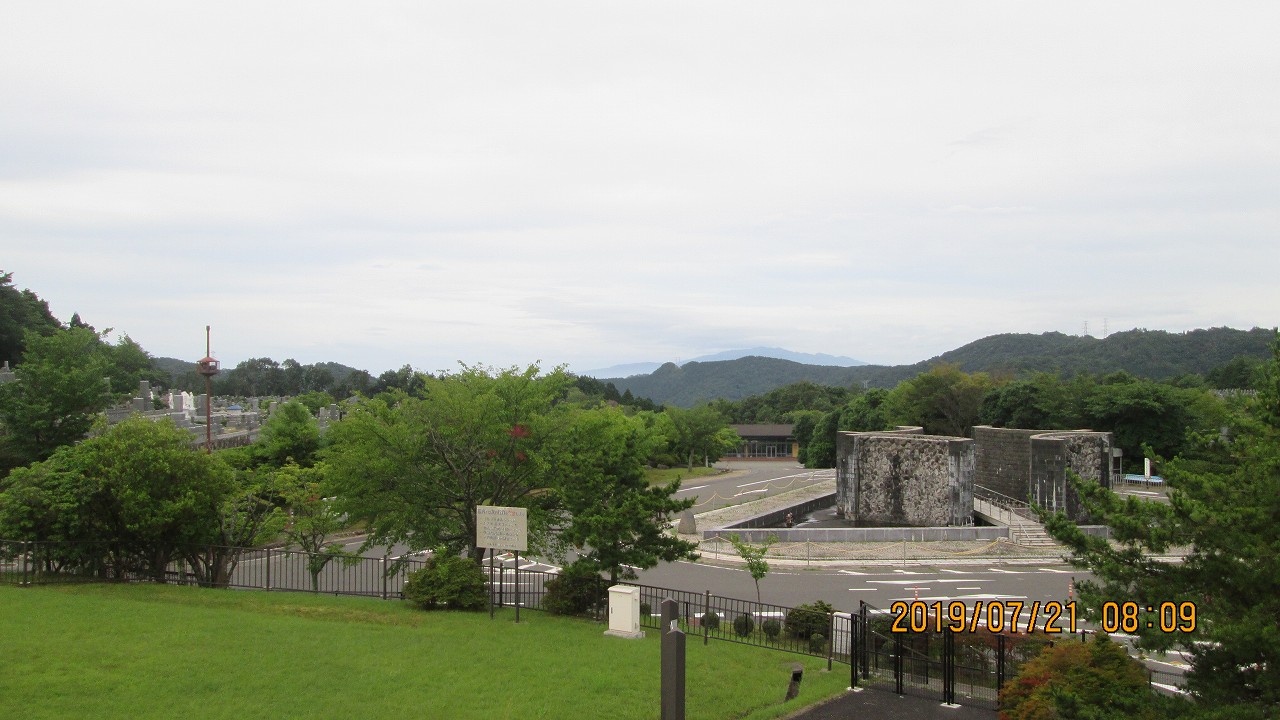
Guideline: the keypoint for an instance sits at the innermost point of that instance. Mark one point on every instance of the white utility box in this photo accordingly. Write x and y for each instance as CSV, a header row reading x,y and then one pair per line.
x,y
624,612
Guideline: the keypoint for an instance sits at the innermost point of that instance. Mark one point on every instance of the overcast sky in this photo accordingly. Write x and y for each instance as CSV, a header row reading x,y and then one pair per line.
x,y
597,183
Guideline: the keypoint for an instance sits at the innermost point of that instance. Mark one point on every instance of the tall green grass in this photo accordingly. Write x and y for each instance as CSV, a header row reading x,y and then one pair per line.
x,y
147,651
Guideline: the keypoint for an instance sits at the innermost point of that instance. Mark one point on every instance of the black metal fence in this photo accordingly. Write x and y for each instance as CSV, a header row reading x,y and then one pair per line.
x,y
960,668
42,563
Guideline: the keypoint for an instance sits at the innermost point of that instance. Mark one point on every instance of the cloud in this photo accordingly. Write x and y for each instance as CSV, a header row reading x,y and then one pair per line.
x,y
594,184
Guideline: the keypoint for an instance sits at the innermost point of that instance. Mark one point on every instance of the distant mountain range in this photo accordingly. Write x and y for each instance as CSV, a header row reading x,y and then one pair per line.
x,y
1154,354
644,368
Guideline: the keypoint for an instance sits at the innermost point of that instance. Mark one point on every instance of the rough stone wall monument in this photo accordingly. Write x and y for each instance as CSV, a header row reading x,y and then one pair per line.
x,y
905,478
1087,454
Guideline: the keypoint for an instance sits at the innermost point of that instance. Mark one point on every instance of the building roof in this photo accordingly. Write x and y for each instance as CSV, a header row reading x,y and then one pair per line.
x,y
764,430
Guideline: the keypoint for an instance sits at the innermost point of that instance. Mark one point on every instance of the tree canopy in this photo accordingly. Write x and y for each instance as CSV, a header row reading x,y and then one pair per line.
x,y
1224,502
139,489
58,392
21,312
415,468
608,512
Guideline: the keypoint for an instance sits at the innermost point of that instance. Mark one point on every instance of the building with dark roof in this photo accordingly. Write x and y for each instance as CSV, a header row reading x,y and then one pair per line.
x,y
766,442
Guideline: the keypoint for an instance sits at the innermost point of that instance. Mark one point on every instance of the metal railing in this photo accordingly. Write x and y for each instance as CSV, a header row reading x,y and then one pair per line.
x,y
40,563
1014,506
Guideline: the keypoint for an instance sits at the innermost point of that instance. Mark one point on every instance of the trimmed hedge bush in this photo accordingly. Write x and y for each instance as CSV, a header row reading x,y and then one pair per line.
x,y
808,620
451,581
817,643
711,620
772,628
744,624
577,590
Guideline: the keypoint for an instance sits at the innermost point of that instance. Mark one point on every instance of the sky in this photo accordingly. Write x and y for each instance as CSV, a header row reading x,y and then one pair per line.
x,y
592,183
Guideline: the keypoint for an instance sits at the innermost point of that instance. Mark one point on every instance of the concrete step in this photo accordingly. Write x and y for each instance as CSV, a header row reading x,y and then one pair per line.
x,y
1031,535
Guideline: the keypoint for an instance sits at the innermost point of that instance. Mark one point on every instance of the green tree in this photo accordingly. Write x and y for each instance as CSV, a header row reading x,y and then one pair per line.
x,y
1223,504
1040,403
702,432
820,452
1079,680
21,311
608,512
139,488
415,468
803,423
290,433
58,392
315,400
944,400
1240,373
866,412
753,557
248,517
313,519
129,363
1139,412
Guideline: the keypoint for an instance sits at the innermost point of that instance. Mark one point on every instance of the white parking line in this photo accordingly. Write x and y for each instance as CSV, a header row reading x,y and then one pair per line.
x,y
754,483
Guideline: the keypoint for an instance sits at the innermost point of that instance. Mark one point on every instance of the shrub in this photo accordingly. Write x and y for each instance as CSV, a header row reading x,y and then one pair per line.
x,y
808,620
743,625
451,581
711,620
1071,676
817,643
577,590
772,628
646,609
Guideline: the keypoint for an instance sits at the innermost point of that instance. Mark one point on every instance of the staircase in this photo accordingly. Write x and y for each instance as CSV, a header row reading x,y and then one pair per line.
x,y
999,509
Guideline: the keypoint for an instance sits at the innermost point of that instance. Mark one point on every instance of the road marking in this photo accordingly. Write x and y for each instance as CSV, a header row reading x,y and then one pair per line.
x,y
748,492
908,572
1007,572
957,572
695,487
865,589
717,567
904,582
969,588
1056,570
850,572
755,483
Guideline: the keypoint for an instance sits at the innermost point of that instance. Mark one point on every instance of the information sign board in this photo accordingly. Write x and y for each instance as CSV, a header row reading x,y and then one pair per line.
x,y
502,528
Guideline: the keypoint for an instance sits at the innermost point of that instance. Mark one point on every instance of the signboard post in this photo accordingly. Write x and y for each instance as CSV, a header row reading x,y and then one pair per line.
x,y
504,528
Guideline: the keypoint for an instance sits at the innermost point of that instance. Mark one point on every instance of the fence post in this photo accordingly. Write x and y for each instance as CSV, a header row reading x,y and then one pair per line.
x,y
855,639
267,585
831,639
502,586
999,663
706,610
384,577
949,668
25,558
864,636
897,663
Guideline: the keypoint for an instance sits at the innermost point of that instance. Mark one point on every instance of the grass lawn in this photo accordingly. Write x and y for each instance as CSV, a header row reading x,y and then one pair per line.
x,y
662,477
155,651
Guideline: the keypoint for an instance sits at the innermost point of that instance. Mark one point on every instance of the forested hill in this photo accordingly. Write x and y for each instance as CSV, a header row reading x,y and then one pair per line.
x,y
1154,354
